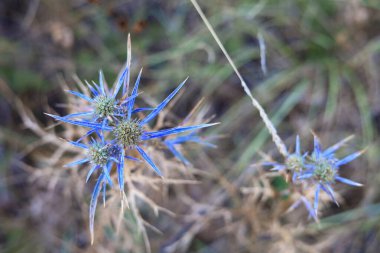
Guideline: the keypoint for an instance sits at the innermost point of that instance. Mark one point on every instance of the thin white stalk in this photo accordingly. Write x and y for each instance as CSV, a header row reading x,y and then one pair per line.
x,y
272,130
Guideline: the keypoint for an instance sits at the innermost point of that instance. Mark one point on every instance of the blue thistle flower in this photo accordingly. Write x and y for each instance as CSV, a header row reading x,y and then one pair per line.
x,y
98,155
104,106
111,118
130,133
320,168
294,162
324,169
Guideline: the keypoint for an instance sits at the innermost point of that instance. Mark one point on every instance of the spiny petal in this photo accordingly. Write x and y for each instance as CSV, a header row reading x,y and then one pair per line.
x,y
120,171
191,138
309,208
104,193
278,167
101,82
349,158
86,134
128,66
132,158
185,138
134,93
91,171
298,145
107,175
81,123
76,162
93,202
120,82
295,176
327,188
141,110
94,92
148,160
80,114
305,176
99,134
348,181
78,94
130,98
177,154
77,144
162,104
331,150
175,130
294,206
316,198
317,147
97,87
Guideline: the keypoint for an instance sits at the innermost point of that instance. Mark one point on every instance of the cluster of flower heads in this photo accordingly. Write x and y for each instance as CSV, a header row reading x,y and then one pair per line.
x,y
319,169
115,129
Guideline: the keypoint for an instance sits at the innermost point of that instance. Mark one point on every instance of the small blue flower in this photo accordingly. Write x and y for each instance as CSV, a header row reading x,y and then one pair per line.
x,y
98,155
104,105
324,170
294,162
321,169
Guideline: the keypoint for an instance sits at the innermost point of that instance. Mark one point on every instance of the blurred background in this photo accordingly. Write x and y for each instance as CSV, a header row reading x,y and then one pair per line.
x,y
323,74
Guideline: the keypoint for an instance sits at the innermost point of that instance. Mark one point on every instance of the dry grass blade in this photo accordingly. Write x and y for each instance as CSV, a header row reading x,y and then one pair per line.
x,y
272,130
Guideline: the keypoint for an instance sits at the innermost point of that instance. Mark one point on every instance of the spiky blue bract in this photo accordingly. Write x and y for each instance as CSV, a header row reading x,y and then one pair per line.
x,y
307,205
161,106
81,123
149,160
120,170
93,203
175,130
134,93
188,138
89,174
77,162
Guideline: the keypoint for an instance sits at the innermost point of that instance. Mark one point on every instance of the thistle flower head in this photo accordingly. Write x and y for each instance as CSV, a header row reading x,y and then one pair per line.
x,y
294,163
99,154
128,133
104,106
320,169
324,169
